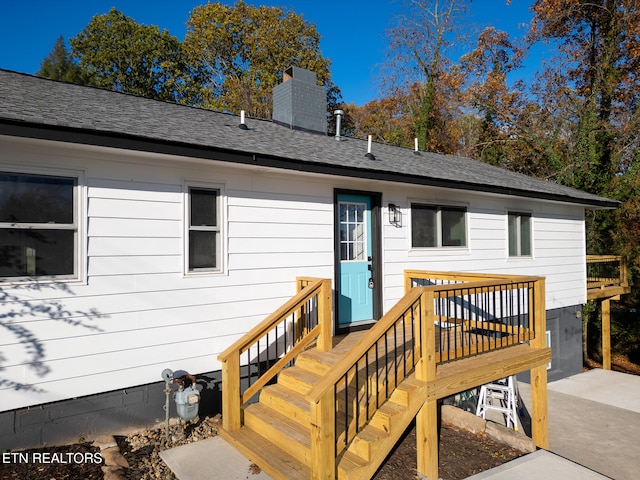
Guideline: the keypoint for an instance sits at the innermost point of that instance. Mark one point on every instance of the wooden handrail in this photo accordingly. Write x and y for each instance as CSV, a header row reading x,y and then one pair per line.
x,y
343,366
510,282
381,326
230,358
602,258
263,327
622,277
459,277
280,364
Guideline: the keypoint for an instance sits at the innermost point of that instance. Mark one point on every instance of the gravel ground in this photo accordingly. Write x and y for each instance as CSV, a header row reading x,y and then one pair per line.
x,y
461,454
142,450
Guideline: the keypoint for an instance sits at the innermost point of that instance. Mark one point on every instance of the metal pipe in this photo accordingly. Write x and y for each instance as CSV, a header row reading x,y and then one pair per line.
x,y
338,114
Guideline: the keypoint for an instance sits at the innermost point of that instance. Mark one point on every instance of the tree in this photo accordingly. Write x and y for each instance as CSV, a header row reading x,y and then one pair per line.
x,y
599,47
417,46
488,65
115,52
600,42
384,119
242,50
58,65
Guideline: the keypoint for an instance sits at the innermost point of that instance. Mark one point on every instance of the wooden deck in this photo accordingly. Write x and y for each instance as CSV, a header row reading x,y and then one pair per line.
x,y
276,433
341,404
607,280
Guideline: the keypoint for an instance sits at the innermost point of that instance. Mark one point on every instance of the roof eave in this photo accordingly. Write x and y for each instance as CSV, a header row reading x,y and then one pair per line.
x,y
129,142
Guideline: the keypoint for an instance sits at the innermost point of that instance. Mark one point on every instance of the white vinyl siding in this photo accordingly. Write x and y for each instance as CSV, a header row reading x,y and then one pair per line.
x,y
557,254
137,313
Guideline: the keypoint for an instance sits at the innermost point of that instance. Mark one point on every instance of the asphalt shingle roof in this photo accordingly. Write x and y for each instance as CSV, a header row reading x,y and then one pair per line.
x,y
50,109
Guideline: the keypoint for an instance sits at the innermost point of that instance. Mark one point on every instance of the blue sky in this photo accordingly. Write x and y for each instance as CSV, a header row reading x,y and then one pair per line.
x,y
353,32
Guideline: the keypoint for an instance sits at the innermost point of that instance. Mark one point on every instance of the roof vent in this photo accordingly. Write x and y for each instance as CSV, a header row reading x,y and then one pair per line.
x,y
299,102
369,155
242,126
339,114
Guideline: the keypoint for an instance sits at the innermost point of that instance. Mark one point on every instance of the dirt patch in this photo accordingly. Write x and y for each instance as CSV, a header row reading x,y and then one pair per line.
x,y
619,363
81,461
462,454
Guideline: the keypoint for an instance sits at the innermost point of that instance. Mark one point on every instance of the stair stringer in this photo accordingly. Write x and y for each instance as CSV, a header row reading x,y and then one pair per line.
x,y
410,395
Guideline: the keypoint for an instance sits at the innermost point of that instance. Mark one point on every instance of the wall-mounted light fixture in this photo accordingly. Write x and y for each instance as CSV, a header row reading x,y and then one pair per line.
x,y
395,215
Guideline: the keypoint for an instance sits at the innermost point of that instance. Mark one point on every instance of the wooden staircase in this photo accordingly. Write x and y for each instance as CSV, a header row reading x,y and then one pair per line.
x,y
276,433
302,404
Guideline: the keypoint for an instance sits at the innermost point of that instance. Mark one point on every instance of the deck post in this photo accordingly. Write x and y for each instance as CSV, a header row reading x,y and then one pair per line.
x,y
624,272
427,418
407,282
231,420
299,325
539,402
323,438
324,317
606,334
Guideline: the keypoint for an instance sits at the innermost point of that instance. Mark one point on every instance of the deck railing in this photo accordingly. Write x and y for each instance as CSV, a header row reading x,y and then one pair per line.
x,y
273,344
606,270
477,313
455,316
367,376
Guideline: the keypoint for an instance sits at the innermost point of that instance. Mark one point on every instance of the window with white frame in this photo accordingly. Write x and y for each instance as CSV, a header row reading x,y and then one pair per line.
x,y
38,226
204,242
519,234
438,226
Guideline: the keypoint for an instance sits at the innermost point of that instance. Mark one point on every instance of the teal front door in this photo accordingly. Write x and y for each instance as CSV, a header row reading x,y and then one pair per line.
x,y
354,260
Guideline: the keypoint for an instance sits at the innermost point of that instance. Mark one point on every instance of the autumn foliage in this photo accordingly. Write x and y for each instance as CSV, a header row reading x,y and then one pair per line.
x,y
576,121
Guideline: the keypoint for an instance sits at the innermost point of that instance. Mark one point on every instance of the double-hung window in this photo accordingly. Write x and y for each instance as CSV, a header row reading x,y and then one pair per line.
x,y
38,226
519,234
438,226
204,230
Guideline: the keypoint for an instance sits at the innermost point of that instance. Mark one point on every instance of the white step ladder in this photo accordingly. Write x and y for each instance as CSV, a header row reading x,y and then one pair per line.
x,y
500,396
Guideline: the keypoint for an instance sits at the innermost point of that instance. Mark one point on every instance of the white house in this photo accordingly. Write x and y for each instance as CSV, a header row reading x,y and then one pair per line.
x,y
138,235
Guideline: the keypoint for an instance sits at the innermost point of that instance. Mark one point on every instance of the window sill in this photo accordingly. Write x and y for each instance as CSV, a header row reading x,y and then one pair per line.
x,y
430,251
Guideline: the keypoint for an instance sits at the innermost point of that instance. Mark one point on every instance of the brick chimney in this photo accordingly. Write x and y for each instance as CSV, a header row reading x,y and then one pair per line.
x,y
299,102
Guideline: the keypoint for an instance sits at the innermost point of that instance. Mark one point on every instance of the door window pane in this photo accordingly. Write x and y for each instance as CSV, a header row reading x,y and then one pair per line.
x,y
352,232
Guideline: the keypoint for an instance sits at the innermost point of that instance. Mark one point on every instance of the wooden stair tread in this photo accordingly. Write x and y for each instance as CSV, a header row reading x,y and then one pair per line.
x,y
286,401
274,461
384,416
285,433
285,424
348,464
298,379
316,361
